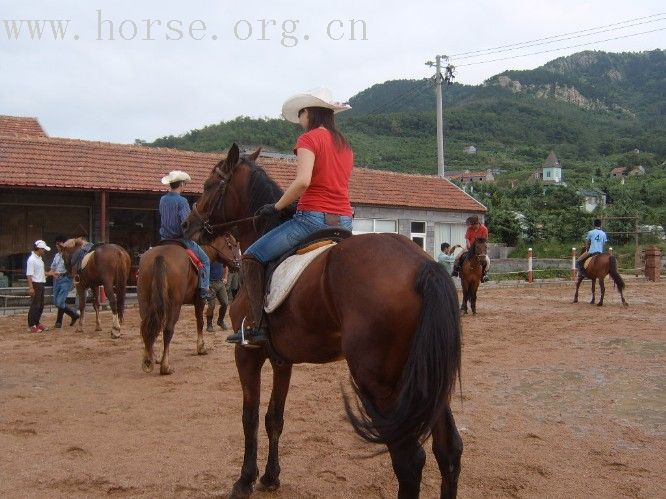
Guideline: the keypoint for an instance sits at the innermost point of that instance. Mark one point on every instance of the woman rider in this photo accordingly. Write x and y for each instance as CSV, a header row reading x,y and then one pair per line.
x,y
324,163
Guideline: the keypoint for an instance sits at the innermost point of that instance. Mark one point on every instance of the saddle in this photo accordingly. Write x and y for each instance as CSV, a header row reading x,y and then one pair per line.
x,y
283,273
588,260
194,259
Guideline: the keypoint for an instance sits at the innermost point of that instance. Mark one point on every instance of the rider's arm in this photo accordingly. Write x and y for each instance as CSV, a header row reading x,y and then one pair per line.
x,y
305,163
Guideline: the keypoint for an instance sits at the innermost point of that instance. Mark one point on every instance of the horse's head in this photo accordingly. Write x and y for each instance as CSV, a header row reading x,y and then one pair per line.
x,y
224,198
480,247
227,250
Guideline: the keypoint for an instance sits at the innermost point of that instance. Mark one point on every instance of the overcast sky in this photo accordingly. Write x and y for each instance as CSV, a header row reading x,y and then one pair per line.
x,y
121,89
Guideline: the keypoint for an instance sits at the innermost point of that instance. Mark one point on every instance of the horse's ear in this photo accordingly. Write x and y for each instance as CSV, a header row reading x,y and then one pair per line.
x,y
253,157
232,158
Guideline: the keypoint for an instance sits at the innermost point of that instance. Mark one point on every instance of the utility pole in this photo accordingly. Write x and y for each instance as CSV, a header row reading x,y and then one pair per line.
x,y
439,78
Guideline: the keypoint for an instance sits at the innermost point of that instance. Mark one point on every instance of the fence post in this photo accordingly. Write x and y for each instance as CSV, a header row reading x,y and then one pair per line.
x,y
529,265
573,264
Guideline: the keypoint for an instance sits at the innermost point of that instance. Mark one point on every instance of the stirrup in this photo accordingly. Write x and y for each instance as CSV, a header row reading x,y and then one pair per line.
x,y
254,339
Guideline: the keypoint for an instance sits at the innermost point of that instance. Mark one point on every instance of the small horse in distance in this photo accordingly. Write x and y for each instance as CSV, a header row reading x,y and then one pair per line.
x,y
108,266
166,281
598,267
402,343
471,273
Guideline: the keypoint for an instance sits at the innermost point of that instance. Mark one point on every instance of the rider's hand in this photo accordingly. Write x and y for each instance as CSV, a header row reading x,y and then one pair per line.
x,y
267,210
31,291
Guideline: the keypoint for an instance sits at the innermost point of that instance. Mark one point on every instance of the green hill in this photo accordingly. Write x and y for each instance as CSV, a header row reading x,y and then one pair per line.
x,y
590,107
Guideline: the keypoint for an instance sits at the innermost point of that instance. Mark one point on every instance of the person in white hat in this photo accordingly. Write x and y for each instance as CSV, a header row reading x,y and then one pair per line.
x,y
324,165
174,210
36,283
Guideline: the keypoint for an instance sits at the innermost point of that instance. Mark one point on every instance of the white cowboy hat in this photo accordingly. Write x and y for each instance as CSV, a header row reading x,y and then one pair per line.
x,y
176,176
41,244
319,97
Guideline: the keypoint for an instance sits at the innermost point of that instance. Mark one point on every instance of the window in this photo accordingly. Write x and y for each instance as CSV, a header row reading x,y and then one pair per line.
x,y
548,173
418,233
371,225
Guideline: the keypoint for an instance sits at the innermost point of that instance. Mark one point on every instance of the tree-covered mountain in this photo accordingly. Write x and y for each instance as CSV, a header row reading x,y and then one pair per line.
x,y
590,108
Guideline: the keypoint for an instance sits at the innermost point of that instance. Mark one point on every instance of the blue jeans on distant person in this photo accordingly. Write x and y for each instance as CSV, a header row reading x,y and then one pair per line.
x,y
204,273
287,236
61,287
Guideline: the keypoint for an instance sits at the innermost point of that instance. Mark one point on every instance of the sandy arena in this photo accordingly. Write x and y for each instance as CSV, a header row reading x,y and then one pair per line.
x,y
560,400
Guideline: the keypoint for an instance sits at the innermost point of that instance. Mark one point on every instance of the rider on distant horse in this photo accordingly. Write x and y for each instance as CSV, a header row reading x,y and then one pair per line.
x,y
594,243
324,165
475,230
174,210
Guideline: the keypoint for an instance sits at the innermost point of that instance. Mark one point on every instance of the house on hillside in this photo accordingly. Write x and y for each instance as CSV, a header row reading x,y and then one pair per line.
x,y
468,176
470,149
592,199
111,192
625,171
551,172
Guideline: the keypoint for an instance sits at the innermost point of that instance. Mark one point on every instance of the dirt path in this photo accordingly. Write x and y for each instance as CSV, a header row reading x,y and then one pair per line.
x,y
560,400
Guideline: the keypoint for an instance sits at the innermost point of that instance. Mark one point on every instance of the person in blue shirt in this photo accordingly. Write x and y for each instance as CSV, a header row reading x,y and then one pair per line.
x,y
218,292
62,284
594,243
174,210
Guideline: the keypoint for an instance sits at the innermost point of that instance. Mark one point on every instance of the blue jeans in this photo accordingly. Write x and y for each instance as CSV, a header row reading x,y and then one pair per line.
x,y
287,236
61,286
204,274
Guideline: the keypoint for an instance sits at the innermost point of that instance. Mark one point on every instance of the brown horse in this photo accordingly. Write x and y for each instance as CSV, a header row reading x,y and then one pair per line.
x,y
471,273
398,330
166,280
601,265
109,266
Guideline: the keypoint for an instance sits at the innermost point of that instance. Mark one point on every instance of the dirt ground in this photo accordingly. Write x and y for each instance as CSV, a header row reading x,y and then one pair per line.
x,y
560,400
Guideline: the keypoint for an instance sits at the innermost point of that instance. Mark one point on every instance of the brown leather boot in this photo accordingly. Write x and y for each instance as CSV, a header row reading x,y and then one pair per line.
x,y
253,280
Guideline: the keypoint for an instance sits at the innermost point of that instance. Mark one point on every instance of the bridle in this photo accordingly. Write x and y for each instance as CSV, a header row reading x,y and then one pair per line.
x,y
218,196
230,245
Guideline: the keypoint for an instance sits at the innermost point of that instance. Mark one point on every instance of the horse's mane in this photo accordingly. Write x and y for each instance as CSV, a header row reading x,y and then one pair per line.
x,y
479,240
264,190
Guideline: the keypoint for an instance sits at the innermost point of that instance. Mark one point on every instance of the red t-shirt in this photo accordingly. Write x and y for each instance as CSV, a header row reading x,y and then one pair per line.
x,y
329,187
471,235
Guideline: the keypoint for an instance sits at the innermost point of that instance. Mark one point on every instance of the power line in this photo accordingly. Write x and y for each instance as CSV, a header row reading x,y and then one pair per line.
x,y
559,36
560,48
563,39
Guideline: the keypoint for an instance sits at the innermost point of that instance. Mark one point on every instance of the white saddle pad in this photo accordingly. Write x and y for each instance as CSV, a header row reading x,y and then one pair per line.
x,y
85,260
286,275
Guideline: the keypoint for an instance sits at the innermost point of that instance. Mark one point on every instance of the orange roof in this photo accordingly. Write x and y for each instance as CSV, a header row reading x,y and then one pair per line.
x,y
619,169
77,164
17,125
461,175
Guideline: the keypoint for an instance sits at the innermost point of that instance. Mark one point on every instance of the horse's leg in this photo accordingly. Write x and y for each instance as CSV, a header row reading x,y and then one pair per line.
x,y
249,363
580,279
113,304
465,297
472,299
199,313
602,287
95,295
447,447
274,422
81,293
594,282
165,364
408,459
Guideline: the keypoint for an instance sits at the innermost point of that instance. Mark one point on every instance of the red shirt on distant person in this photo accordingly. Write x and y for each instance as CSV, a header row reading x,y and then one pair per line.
x,y
473,234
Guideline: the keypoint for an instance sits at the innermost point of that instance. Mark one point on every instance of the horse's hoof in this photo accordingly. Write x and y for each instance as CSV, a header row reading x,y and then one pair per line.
x,y
115,334
267,484
240,491
625,304
98,328
600,304
202,351
166,371
147,366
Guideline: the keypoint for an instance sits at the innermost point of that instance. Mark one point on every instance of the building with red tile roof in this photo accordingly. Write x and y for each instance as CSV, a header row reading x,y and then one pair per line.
x,y
53,185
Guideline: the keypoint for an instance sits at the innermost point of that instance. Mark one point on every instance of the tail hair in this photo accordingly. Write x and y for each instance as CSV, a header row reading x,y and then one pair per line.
x,y
615,275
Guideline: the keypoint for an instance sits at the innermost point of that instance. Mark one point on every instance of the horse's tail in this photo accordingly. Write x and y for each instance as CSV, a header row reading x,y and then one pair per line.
x,y
615,275
155,319
429,376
